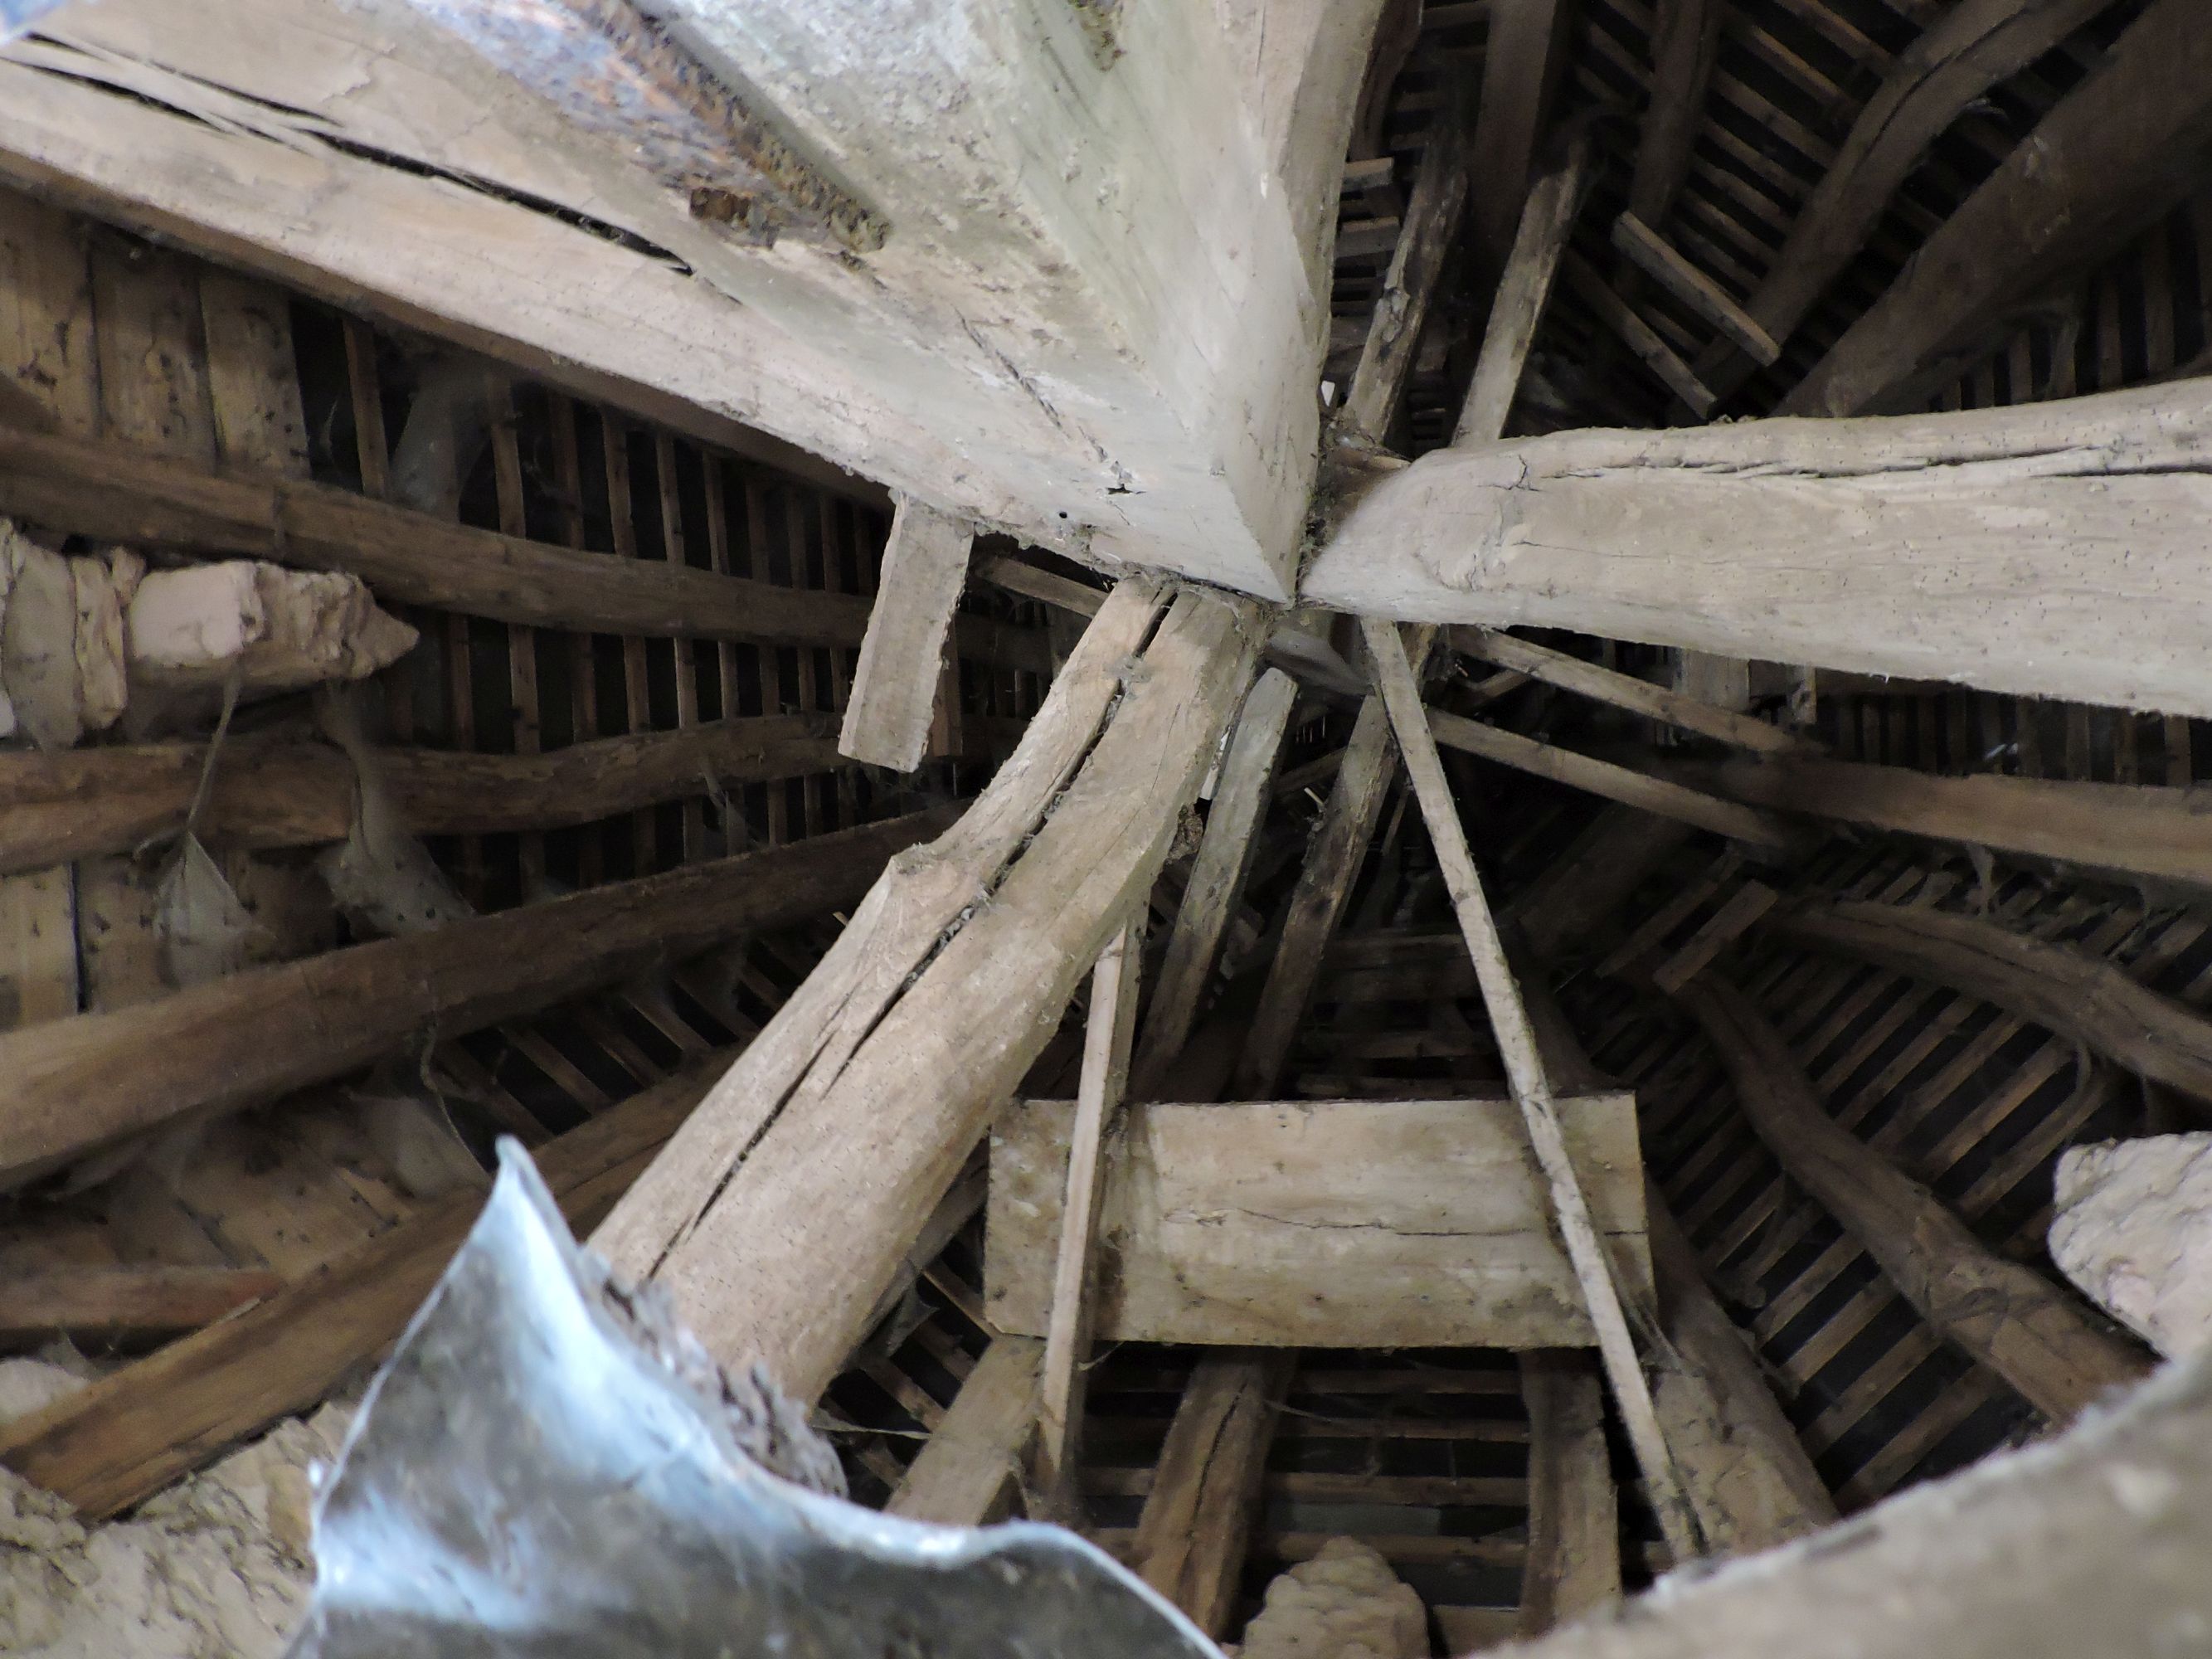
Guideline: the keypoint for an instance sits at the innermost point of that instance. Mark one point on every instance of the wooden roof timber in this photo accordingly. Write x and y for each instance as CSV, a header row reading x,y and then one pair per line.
x,y
1032,347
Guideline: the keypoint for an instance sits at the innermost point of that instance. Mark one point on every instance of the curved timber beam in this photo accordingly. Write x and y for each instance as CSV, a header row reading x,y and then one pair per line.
x,y
2114,155
1957,60
2041,1341
2063,988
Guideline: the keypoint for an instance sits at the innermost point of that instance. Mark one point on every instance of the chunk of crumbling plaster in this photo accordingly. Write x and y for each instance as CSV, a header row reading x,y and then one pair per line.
x,y
2132,1226
82,638
1344,1603
220,1564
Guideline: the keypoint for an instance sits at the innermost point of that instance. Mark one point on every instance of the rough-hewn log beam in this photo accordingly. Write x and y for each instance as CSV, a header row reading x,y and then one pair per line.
x,y
299,792
2063,988
1394,332
2145,830
2061,1548
80,1083
776,1217
1746,1470
1520,67
1197,1519
117,1442
1032,347
1523,290
2041,1341
2045,550
116,492
1685,36
2115,153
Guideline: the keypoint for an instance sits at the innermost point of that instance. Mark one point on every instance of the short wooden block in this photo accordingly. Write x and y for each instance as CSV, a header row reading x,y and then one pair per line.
x,y
1319,1224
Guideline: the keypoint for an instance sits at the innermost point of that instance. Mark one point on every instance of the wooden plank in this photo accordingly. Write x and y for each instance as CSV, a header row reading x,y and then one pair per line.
x,y
46,349
1721,929
925,568
38,946
1017,577
110,1446
101,1305
1614,782
297,793
1320,1223
1642,340
1595,1266
83,1082
1215,888
786,1205
1573,1565
1108,1029
254,378
2117,152
150,343
1657,258
1522,291
969,1467
1592,879
1802,556
2006,1315
1194,1530
527,728
1609,685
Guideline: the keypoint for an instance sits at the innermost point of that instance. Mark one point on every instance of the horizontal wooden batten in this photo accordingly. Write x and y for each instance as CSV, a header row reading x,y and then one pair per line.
x,y
301,793
118,492
2143,830
101,1304
1324,1224
80,1083
122,1439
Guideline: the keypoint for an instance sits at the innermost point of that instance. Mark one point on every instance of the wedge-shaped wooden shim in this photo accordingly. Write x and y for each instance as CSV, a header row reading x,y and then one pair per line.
x,y
1317,1224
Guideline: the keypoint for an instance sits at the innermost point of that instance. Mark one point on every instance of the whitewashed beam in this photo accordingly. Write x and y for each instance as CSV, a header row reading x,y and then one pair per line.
x,y
1112,352
2047,549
